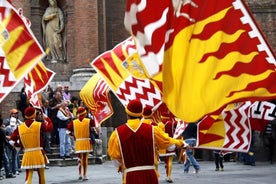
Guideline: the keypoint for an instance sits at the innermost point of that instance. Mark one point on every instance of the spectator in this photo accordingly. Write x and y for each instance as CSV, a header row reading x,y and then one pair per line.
x,y
64,117
269,140
218,160
249,158
190,137
66,95
24,102
12,153
2,145
55,104
13,113
46,111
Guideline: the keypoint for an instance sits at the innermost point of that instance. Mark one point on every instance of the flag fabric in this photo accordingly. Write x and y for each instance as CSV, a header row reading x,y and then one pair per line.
x,y
95,94
36,101
19,49
230,131
210,53
232,128
261,113
36,81
180,127
113,68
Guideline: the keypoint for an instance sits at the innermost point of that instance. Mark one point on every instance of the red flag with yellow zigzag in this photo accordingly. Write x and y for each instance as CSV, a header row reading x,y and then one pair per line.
x,y
19,50
211,53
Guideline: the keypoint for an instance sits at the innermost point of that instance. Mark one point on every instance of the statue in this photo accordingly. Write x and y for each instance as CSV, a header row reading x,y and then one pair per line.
x,y
53,27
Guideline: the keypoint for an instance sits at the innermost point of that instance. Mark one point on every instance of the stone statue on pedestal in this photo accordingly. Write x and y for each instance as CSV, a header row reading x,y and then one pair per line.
x,y
53,28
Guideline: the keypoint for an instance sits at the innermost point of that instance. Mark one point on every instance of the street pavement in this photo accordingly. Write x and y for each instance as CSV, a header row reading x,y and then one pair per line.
x,y
234,173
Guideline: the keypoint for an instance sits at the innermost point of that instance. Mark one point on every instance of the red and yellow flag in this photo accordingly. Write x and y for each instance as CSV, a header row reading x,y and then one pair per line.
x,y
229,131
20,51
95,94
117,68
210,53
36,81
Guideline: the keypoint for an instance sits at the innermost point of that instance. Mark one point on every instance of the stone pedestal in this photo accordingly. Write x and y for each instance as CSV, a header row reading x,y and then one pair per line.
x,y
80,77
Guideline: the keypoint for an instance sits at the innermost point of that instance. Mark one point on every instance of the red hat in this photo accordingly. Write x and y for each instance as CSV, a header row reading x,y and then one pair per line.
x,y
147,112
13,111
81,111
134,108
30,113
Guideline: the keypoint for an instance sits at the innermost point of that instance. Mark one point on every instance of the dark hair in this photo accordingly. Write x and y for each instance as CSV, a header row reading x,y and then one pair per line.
x,y
1,121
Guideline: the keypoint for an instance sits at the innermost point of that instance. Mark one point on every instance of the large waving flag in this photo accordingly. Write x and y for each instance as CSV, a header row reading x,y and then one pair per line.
x,y
95,94
114,69
36,81
211,53
19,50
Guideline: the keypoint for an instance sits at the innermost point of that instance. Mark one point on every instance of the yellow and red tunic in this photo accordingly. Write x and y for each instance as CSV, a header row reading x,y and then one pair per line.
x,y
82,135
33,156
168,126
139,146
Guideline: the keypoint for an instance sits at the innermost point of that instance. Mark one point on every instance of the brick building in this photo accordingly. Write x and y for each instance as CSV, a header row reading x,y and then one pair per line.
x,y
94,26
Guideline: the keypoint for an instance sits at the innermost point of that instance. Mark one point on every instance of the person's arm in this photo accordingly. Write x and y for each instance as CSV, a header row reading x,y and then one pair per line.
x,y
48,124
61,116
164,141
70,128
114,151
14,139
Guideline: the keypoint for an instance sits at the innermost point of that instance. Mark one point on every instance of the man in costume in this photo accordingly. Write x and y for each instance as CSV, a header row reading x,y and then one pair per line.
x,y
132,147
81,128
147,118
168,125
29,136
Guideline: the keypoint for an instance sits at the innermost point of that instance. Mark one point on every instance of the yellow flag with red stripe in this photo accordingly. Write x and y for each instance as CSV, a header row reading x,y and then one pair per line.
x,y
210,53
19,49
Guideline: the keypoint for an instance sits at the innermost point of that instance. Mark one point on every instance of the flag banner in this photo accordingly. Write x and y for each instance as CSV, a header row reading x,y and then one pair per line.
x,y
210,53
180,127
36,101
95,96
36,81
238,119
230,131
261,113
19,49
112,68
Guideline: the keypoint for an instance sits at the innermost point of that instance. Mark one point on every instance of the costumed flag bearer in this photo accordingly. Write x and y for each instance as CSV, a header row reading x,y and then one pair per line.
x,y
29,136
132,147
81,128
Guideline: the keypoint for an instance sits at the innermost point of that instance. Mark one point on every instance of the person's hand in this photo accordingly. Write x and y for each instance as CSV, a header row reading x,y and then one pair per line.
x,y
186,145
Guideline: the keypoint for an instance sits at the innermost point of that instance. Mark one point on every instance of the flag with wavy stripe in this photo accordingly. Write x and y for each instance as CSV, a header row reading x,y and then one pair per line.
x,y
19,49
114,69
95,94
210,53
